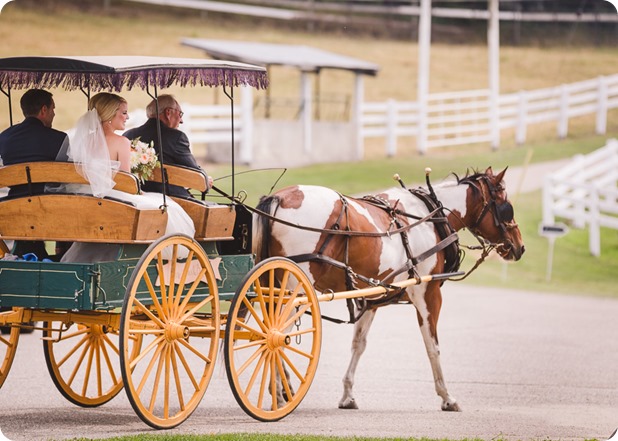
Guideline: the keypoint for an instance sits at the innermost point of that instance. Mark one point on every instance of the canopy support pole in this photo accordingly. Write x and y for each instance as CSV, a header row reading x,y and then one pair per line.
x,y
8,95
155,97
231,98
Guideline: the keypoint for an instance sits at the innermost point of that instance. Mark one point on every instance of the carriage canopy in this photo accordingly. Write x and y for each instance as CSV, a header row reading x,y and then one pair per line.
x,y
125,72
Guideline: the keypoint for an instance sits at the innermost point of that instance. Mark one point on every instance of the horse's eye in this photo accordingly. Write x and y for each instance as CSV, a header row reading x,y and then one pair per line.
x,y
504,211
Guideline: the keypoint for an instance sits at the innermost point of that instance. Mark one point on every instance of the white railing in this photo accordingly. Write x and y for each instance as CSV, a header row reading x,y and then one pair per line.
x,y
585,192
457,118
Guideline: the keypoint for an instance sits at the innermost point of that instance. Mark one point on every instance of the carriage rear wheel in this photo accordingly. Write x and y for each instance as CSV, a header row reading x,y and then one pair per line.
x,y
8,347
172,301
273,338
83,361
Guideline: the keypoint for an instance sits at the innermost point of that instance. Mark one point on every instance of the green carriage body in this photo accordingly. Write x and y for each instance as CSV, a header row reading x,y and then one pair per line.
x,y
101,286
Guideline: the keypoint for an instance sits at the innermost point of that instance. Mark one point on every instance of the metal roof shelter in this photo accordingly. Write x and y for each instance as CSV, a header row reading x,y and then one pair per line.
x,y
305,58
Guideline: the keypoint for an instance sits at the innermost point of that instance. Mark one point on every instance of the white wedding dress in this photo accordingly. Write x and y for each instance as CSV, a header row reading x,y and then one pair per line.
x,y
88,148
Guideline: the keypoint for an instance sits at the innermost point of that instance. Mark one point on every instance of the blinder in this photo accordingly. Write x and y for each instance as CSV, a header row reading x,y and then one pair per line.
x,y
504,212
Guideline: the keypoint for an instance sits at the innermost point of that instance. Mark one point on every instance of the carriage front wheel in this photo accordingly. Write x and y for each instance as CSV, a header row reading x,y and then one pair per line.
x,y
172,302
273,338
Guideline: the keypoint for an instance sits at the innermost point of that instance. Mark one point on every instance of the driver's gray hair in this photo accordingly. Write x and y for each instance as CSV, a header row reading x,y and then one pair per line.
x,y
165,101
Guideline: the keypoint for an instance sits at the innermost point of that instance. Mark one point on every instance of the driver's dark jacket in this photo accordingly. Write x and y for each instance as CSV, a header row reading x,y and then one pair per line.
x,y
29,141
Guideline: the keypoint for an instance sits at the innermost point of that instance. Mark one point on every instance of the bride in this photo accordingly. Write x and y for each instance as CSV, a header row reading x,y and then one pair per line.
x,y
100,153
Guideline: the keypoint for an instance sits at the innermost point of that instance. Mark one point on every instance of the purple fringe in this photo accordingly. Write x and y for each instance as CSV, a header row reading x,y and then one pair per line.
x,y
162,78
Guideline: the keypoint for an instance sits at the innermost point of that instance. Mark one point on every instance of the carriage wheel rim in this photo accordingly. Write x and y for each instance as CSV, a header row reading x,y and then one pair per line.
x,y
271,345
89,353
8,347
173,332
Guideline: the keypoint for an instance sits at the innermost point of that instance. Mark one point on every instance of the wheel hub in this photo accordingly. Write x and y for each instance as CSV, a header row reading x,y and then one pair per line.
x,y
276,339
175,331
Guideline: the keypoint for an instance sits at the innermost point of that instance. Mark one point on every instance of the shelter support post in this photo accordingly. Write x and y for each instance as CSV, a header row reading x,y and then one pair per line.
x,y
493,41
359,101
306,112
246,139
424,44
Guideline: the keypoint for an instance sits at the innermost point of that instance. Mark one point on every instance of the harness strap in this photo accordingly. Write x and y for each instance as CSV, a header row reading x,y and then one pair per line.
x,y
437,247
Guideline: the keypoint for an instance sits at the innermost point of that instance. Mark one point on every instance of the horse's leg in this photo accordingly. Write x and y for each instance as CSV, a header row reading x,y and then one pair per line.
x,y
428,323
359,343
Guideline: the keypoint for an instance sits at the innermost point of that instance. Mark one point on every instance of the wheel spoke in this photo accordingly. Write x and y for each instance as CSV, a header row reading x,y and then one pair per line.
x,y
256,372
293,367
88,369
72,351
186,344
153,295
150,315
183,360
196,308
182,281
250,360
301,311
290,304
108,361
166,379
255,315
78,364
273,383
264,379
181,402
191,290
284,378
284,285
157,379
164,299
153,360
145,352
260,298
251,329
299,352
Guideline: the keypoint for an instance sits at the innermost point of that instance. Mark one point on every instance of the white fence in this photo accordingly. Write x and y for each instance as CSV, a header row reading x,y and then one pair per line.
x,y
459,118
585,192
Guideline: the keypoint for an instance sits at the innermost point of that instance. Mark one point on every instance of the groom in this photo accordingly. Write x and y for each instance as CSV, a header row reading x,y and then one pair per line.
x,y
176,147
32,140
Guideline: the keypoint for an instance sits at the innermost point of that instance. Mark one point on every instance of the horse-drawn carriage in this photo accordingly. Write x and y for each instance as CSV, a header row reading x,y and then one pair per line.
x,y
150,321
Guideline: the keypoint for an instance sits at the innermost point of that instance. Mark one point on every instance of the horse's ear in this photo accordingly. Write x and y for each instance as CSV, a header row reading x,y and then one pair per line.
x,y
489,171
500,176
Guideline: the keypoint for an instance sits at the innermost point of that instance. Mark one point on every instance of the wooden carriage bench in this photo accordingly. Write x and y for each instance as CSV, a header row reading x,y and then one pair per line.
x,y
73,216
212,222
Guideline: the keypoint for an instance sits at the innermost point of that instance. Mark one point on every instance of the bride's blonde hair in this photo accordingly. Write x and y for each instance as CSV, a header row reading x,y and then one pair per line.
x,y
106,104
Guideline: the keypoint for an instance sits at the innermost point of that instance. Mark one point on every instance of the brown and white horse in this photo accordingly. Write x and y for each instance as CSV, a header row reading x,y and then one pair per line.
x,y
477,202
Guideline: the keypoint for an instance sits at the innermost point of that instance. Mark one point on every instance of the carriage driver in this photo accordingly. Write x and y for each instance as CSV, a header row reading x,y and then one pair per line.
x,y
32,140
176,147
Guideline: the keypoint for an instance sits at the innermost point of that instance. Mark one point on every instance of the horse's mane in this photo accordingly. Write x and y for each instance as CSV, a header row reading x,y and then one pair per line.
x,y
470,177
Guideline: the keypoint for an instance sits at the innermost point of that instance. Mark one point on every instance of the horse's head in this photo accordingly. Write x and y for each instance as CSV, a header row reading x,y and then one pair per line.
x,y
490,213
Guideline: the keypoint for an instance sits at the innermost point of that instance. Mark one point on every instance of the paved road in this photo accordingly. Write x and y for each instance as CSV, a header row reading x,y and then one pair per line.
x,y
524,366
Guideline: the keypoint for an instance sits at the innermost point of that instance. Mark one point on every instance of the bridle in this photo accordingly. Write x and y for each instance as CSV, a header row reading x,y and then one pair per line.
x,y
502,213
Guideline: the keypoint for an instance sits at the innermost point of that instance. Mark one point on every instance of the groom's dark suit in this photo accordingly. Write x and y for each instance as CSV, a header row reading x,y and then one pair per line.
x,y
29,141
176,151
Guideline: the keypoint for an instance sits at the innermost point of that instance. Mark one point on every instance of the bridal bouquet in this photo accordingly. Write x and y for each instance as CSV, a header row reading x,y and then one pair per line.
x,y
143,159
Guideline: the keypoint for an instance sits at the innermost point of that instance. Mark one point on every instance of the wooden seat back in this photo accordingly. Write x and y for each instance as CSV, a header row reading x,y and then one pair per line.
x,y
74,217
58,172
212,222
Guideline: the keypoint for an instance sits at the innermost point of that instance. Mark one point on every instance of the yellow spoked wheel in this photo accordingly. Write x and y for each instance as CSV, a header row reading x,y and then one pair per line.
x,y
83,361
172,301
8,347
273,338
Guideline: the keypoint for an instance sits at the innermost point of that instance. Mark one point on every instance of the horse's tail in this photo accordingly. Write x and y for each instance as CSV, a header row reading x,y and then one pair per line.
x,y
262,226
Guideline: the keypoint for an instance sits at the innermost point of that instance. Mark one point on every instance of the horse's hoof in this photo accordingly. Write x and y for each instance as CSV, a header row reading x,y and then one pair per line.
x,y
348,404
451,407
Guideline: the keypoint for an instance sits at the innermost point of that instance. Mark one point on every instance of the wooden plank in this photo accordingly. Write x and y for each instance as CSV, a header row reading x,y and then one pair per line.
x,y
58,172
212,222
183,177
46,217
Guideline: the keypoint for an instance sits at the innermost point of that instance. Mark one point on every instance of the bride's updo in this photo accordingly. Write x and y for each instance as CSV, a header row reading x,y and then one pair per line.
x,y
106,105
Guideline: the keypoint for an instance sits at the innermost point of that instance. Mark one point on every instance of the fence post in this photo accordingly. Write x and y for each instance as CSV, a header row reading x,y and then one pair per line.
x,y
548,201
563,112
595,223
601,121
246,125
522,115
391,128
359,103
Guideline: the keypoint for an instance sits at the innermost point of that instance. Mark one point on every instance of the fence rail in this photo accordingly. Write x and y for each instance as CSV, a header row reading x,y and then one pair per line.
x,y
585,192
458,118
